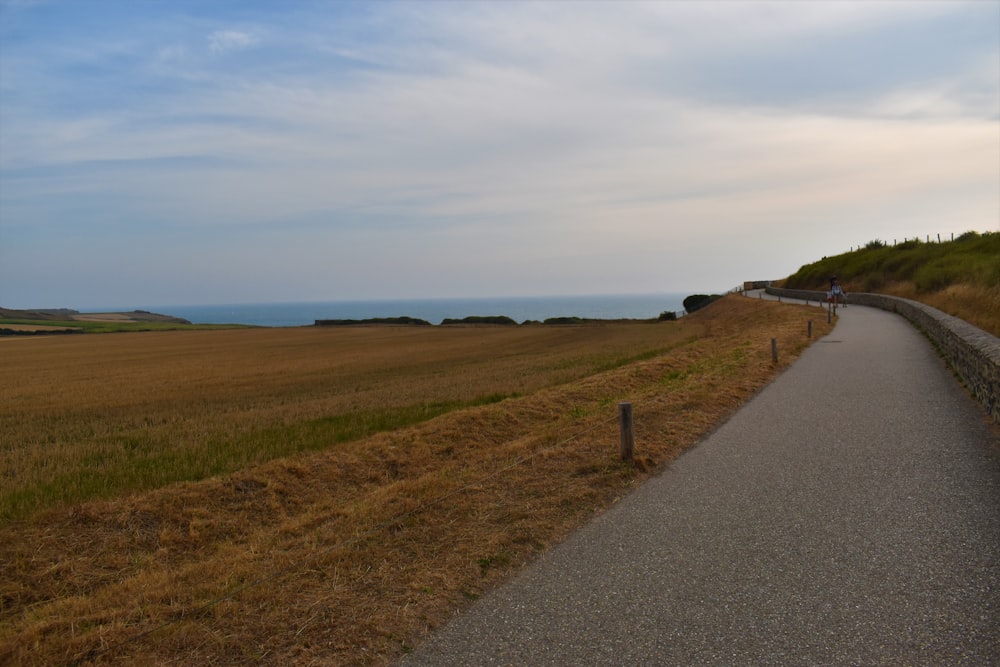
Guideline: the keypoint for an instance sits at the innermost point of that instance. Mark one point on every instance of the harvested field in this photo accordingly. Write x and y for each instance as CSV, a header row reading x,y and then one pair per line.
x,y
329,495
33,327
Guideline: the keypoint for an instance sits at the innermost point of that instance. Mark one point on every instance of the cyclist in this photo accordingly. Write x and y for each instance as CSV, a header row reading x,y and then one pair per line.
x,y
836,291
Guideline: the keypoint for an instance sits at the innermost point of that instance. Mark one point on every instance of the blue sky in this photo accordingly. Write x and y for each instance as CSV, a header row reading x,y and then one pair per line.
x,y
212,152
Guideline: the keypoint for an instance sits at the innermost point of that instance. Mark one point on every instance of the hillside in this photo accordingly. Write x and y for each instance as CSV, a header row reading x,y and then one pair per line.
x,y
69,315
960,277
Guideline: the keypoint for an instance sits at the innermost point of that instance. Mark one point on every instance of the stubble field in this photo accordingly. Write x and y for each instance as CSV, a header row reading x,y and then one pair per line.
x,y
328,496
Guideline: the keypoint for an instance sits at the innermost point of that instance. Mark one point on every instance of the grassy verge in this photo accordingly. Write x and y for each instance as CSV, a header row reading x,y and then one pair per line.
x,y
350,553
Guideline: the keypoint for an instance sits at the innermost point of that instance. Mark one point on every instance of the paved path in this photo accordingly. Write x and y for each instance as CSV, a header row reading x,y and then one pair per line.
x,y
848,515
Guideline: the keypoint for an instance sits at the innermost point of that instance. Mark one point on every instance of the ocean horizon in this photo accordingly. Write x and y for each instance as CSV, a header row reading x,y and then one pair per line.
x,y
520,309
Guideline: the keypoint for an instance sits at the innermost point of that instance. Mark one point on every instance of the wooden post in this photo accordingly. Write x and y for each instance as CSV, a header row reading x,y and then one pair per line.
x,y
810,329
774,350
627,431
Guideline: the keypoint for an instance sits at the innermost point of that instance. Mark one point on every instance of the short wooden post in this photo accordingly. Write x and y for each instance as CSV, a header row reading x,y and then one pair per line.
x,y
810,329
774,350
627,431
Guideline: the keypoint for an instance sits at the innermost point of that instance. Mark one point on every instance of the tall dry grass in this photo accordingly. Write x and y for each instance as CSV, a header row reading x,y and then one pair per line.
x,y
350,554
976,304
84,417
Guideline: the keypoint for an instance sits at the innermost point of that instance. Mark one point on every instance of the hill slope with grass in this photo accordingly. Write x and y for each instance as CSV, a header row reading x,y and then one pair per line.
x,y
960,277
69,315
67,320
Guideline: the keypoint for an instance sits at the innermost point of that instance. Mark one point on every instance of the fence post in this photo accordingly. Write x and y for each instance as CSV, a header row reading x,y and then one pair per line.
x,y
810,329
774,350
627,431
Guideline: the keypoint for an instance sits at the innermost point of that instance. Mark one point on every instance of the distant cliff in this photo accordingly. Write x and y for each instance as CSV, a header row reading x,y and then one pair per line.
x,y
70,315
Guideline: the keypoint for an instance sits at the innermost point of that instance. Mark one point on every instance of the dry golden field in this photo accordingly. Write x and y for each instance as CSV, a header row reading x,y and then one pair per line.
x,y
328,495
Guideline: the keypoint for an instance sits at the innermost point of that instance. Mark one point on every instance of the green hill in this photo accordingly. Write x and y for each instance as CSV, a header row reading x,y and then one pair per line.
x,y
960,277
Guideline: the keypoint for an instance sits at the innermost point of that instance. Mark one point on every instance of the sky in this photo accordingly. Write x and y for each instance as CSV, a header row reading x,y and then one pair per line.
x,y
189,152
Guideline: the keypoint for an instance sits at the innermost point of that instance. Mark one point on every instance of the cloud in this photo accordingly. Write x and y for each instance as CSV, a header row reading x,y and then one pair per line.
x,y
433,146
226,41
171,52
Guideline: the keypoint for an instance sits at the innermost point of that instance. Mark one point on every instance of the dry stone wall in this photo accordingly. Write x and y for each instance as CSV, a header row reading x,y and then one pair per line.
x,y
972,352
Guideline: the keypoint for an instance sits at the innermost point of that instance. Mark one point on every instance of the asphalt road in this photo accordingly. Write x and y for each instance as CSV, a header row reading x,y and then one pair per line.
x,y
848,515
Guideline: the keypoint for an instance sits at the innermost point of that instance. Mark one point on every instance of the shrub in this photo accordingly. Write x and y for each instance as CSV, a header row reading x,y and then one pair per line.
x,y
480,319
668,316
563,320
697,301
375,320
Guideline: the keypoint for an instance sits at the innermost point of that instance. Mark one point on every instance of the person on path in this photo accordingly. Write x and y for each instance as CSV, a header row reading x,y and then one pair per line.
x,y
836,291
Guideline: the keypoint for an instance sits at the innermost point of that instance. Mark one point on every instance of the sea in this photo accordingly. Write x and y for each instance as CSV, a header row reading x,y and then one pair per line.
x,y
520,309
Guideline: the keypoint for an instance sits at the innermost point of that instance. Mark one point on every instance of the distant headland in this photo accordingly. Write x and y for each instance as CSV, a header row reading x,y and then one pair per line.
x,y
70,315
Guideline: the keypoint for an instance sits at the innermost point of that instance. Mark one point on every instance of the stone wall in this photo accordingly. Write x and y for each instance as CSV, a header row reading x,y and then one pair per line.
x,y
972,352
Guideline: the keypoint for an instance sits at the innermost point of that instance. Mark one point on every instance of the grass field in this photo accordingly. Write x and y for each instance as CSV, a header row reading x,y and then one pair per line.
x,y
95,417
328,496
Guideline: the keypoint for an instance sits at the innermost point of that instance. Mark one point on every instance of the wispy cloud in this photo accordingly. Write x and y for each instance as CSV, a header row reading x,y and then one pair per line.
x,y
224,41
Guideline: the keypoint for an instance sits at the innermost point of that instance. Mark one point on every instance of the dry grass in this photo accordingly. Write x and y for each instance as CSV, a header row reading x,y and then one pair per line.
x,y
96,416
350,554
976,304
